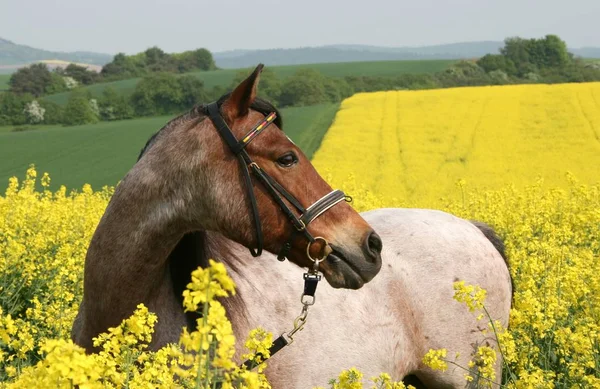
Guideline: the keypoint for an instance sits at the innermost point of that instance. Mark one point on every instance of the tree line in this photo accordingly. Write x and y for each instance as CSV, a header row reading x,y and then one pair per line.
x,y
38,80
164,92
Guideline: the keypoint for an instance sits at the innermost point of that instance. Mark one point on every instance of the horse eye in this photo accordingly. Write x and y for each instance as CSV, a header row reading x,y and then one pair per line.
x,y
287,160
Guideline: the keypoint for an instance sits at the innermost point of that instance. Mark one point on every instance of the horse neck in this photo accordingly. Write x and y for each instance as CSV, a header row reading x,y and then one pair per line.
x,y
267,291
127,256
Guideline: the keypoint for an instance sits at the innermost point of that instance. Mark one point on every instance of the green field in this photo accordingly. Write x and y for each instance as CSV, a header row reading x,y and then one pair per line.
x,y
100,154
225,76
4,81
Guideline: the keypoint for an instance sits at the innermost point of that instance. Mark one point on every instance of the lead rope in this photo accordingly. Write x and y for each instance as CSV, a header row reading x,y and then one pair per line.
x,y
311,280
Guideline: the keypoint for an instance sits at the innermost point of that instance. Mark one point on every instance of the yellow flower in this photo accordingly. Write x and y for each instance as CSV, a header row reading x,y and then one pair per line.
x,y
435,359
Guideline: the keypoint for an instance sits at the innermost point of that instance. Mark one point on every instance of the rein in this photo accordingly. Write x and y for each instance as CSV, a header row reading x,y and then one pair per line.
x,y
300,223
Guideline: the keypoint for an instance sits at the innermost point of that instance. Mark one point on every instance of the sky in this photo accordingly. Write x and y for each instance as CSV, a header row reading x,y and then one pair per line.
x,y
130,26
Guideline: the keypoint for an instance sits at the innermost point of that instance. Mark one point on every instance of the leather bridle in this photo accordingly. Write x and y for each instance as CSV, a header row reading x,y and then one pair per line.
x,y
277,192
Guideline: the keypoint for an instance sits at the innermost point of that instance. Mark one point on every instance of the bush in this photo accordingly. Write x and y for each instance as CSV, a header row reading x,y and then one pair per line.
x,y
12,108
192,91
79,110
54,112
114,106
157,94
305,87
34,112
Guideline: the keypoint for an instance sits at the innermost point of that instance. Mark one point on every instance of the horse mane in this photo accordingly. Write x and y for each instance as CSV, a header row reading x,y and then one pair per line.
x,y
194,249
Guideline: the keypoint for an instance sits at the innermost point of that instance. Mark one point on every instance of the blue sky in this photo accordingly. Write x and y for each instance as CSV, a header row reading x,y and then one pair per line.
x,y
131,26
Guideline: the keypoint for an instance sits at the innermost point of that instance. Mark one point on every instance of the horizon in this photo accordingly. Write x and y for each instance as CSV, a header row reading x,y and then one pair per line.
x,y
304,47
180,25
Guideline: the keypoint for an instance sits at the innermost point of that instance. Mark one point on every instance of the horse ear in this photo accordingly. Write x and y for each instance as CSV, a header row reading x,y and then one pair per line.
x,y
238,103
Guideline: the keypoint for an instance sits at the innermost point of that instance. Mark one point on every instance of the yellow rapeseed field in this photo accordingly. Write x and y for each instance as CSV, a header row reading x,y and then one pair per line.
x,y
415,145
498,154
525,159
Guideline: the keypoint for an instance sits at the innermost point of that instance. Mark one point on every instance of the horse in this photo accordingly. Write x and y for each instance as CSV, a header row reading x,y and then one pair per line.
x,y
197,176
386,326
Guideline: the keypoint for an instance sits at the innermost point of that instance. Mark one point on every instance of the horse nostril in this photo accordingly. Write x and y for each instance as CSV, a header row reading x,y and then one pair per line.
x,y
375,245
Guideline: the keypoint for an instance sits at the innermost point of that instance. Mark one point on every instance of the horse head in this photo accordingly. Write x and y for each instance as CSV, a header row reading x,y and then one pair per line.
x,y
245,179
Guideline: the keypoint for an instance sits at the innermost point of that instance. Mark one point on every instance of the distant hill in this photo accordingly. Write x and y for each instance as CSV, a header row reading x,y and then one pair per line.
x,y
360,53
13,55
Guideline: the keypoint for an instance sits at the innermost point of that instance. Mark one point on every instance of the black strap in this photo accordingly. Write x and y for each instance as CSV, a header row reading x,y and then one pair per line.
x,y
310,284
223,128
254,206
259,358
267,182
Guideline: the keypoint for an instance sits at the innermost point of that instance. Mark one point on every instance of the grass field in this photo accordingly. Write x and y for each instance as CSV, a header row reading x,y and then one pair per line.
x,y
100,154
224,77
4,81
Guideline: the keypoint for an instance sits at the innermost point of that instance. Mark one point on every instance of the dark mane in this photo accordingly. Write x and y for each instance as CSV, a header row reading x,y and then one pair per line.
x,y
200,112
193,249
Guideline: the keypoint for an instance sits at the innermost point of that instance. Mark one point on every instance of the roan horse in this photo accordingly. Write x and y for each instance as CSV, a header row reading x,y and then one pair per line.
x,y
386,326
189,180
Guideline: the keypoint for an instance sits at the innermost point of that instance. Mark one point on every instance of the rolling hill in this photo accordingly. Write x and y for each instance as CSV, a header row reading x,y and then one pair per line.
x,y
100,154
224,77
358,53
13,55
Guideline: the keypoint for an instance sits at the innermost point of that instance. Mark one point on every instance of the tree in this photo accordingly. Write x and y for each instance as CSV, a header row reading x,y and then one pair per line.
x,y
122,67
79,110
33,79
53,112
305,87
492,62
200,59
12,108
157,94
156,60
192,91
114,106
81,74
549,52
57,84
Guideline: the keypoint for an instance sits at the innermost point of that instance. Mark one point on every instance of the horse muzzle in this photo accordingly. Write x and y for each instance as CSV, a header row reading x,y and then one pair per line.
x,y
352,268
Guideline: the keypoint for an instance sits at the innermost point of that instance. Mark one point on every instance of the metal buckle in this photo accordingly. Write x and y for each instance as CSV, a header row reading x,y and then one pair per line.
x,y
302,225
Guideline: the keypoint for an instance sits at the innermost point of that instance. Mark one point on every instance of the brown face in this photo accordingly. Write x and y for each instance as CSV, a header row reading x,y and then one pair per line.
x,y
356,256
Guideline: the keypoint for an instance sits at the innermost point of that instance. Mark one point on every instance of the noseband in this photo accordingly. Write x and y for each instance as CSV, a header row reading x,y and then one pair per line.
x,y
277,192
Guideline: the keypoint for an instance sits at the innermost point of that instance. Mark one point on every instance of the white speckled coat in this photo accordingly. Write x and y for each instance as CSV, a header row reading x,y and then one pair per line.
x,y
391,322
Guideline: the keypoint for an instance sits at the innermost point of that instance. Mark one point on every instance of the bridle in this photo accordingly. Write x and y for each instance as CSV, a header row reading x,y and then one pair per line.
x,y
300,223
277,192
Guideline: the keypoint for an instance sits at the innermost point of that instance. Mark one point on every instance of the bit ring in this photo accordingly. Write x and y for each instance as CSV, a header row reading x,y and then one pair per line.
x,y
316,260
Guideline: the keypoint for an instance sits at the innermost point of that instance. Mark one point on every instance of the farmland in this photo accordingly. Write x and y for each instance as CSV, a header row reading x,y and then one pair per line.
x,y
522,158
525,160
487,136
225,76
100,154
